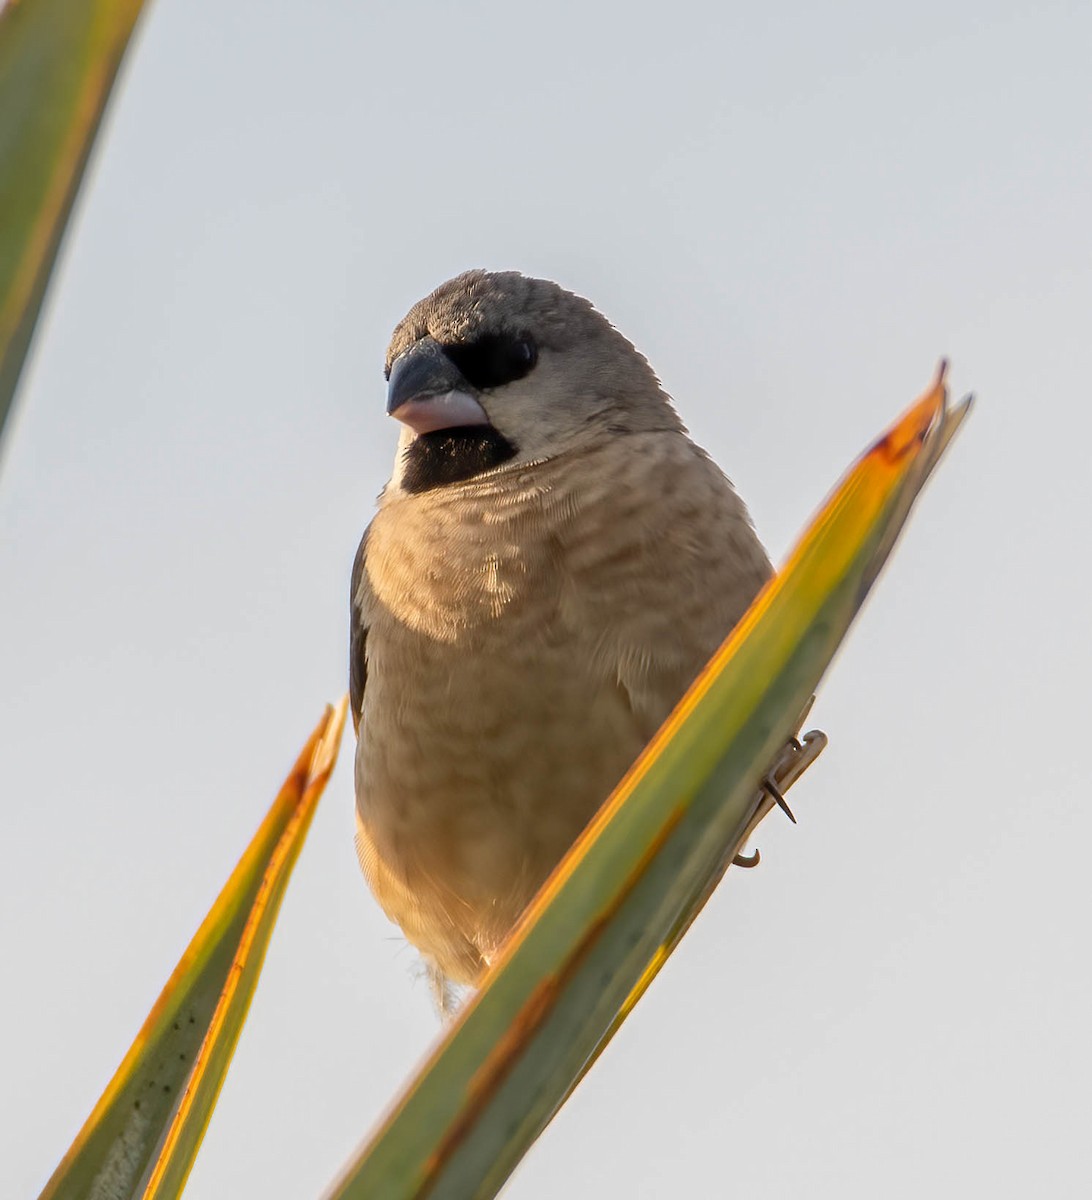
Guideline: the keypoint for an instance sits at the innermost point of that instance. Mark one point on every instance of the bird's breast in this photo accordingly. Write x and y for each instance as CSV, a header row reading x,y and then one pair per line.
x,y
522,647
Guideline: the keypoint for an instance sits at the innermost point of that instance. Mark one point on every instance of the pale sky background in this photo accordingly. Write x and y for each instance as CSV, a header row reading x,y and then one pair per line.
x,y
793,210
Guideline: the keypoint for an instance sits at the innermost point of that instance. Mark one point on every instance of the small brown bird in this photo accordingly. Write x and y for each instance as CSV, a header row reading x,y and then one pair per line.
x,y
552,563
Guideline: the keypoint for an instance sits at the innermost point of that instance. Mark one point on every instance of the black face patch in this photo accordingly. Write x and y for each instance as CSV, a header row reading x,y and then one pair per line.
x,y
494,359
453,455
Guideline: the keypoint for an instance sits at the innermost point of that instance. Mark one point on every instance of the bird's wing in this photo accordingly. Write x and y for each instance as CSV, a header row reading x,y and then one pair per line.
x,y
358,635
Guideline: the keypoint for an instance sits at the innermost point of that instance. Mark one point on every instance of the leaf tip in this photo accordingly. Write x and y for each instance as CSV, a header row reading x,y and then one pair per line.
x,y
324,754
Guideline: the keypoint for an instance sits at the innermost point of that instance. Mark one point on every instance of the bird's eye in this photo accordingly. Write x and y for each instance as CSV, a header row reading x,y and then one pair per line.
x,y
492,360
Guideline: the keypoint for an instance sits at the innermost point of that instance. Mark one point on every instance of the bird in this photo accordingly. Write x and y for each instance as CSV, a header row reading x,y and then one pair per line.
x,y
549,567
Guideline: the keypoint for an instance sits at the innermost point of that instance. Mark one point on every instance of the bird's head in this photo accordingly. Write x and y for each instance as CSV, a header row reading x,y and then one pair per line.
x,y
494,370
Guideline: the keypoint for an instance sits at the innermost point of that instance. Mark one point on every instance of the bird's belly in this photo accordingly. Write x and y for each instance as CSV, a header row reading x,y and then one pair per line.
x,y
475,772
523,644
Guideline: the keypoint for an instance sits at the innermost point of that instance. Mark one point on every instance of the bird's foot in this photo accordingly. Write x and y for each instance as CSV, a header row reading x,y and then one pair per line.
x,y
795,757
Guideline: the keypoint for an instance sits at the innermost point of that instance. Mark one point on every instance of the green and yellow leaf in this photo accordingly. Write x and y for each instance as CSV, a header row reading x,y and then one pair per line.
x,y
611,913
143,1135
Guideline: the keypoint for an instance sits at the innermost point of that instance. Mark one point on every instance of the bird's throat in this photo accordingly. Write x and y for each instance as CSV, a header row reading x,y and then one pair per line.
x,y
447,456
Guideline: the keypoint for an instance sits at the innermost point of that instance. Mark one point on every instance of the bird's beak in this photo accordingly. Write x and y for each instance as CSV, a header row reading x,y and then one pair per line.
x,y
427,391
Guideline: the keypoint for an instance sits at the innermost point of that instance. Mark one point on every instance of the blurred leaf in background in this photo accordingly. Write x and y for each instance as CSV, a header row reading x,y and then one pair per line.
x,y
58,61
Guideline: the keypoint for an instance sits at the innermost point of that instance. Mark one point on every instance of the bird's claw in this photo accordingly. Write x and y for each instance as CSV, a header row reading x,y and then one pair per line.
x,y
796,756
774,792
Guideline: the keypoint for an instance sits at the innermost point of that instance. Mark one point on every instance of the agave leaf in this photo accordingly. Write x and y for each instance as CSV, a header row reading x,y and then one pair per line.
x,y
143,1135
58,60
611,913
